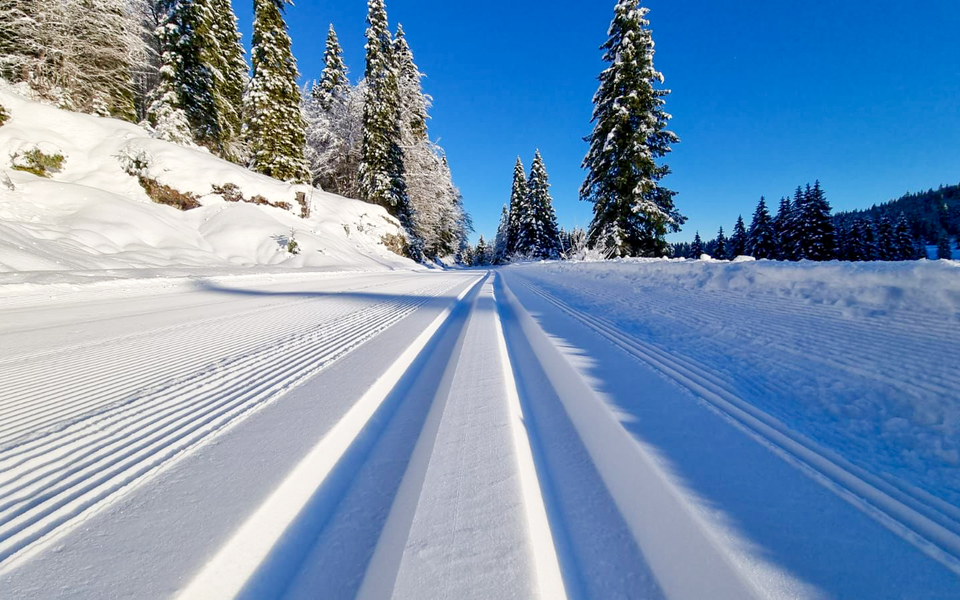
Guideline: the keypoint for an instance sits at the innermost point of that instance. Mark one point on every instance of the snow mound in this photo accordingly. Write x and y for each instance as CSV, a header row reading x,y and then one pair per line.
x,y
93,213
855,288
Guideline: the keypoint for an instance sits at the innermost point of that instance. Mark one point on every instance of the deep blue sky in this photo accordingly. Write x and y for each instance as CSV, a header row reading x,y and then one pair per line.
x,y
862,94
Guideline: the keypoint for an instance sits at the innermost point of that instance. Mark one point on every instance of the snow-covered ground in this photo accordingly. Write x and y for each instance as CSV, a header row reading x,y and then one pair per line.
x,y
93,214
634,429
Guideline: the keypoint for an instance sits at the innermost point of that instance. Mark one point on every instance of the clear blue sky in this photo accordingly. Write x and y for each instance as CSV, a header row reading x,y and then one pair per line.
x,y
862,94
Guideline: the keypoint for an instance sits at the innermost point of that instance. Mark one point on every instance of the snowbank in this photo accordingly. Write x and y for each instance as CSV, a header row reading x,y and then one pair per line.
x,y
927,286
93,214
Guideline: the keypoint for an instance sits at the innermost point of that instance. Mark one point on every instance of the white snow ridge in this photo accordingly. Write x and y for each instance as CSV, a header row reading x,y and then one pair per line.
x,y
189,410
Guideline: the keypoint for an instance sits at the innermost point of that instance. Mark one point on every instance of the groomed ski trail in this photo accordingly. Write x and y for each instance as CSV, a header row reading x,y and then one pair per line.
x,y
497,442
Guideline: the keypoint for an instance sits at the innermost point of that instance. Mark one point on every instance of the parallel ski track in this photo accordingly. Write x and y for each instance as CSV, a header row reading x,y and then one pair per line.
x,y
907,514
52,480
80,381
819,342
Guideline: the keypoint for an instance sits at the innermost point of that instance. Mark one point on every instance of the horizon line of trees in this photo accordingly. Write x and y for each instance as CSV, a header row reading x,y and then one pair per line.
x,y
804,229
178,68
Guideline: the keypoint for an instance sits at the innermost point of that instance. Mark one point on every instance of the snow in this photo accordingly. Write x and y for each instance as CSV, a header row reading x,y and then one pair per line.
x,y
94,215
633,428
858,356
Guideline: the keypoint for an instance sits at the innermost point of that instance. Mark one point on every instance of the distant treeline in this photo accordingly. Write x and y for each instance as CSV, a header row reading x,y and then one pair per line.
x,y
804,229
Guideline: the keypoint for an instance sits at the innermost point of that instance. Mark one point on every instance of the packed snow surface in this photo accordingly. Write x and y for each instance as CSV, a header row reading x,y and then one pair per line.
x,y
94,214
653,429
860,357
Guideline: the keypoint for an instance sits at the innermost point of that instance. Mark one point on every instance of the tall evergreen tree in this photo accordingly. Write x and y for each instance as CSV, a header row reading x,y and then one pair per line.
x,y
784,225
414,104
276,129
720,249
539,234
944,248
500,254
166,118
697,248
382,173
886,240
230,77
427,175
334,114
867,250
632,212
816,230
843,242
334,84
738,241
762,238
903,240
206,61
518,195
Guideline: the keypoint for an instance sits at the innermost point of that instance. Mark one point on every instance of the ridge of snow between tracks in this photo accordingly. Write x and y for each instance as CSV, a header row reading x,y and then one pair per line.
x,y
225,575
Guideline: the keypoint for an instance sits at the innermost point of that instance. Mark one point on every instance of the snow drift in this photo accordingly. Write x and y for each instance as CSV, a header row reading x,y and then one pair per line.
x,y
94,214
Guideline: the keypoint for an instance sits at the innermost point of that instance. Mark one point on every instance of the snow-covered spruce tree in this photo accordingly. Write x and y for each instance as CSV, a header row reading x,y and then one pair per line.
x,y
697,248
738,241
785,224
166,118
762,237
500,254
230,79
816,230
944,248
276,129
334,113
539,235
201,46
720,249
382,175
183,38
414,104
334,85
481,254
867,247
432,195
518,195
886,240
903,239
632,212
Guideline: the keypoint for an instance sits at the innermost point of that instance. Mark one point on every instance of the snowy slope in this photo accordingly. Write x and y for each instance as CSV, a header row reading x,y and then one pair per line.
x,y
94,215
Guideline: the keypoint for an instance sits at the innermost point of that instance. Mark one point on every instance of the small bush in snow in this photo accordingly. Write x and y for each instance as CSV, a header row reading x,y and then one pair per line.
x,y
292,246
229,191
4,116
135,162
163,194
36,162
396,244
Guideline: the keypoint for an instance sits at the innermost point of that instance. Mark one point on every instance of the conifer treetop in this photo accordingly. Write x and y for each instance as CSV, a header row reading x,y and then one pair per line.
x,y
630,133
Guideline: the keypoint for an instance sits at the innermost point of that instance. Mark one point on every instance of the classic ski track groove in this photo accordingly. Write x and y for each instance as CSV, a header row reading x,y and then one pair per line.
x,y
902,512
35,411
228,572
821,333
54,480
151,333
